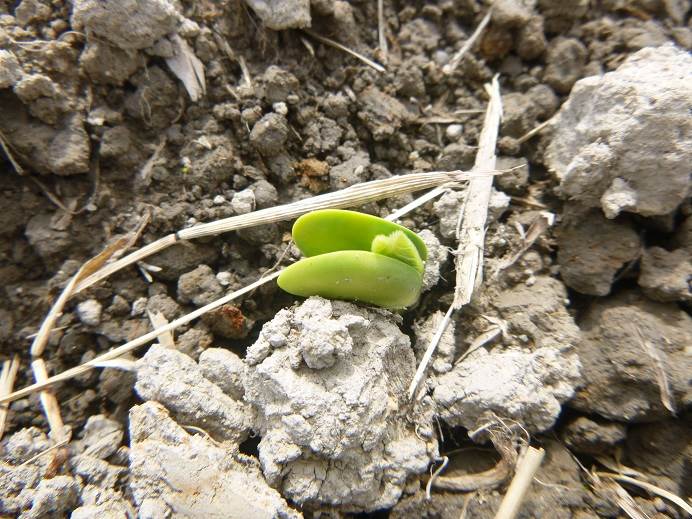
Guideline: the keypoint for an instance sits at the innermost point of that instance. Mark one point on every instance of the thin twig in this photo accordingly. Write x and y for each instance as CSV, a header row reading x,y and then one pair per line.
x,y
471,235
39,343
469,264
158,320
337,45
5,145
651,488
433,477
382,30
667,398
7,379
526,468
62,443
542,222
534,131
49,403
450,67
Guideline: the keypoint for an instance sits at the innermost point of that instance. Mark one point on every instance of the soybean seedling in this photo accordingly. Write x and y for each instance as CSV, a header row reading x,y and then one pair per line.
x,y
356,257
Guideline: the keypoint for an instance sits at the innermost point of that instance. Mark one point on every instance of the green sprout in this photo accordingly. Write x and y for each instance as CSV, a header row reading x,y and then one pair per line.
x,y
356,257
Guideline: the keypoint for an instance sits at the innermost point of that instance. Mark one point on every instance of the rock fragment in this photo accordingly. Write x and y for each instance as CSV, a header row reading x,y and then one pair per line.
x,y
526,386
588,436
10,71
127,24
626,339
282,14
175,380
350,172
592,249
614,148
269,134
217,482
89,312
382,113
329,380
199,286
565,60
666,275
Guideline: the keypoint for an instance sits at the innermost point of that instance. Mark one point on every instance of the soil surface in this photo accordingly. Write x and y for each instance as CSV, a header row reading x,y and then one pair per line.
x,y
161,114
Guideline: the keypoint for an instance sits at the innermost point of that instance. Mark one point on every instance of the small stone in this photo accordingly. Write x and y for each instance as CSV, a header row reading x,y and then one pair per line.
x,y
219,200
10,71
127,24
280,108
589,436
265,194
526,386
89,312
199,286
282,14
269,134
665,276
243,202
454,131
565,62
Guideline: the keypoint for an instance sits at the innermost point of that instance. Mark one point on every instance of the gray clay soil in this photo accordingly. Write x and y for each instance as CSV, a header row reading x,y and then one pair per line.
x,y
277,407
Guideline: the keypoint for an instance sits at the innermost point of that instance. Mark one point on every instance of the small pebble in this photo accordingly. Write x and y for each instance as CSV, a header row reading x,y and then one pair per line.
x,y
454,131
89,312
139,306
224,278
219,200
280,108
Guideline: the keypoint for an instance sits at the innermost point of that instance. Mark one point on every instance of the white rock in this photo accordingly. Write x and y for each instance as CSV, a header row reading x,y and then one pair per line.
x,y
243,201
338,434
522,385
89,312
217,481
623,141
175,380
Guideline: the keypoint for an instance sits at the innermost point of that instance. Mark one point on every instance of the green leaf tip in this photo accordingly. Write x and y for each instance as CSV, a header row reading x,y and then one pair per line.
x,y
398,246
356,257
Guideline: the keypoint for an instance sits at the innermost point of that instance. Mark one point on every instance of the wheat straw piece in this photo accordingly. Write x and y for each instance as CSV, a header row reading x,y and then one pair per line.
x,y
49,402
651,488
337,45
526,469
471,235
450,67
382,30
356,195
7,379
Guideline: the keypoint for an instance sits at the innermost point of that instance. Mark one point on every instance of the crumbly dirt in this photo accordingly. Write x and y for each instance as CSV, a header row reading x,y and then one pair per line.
x,y
99,135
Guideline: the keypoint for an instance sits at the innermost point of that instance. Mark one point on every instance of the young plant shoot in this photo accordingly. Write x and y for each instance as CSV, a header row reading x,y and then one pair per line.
x,y
356,257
